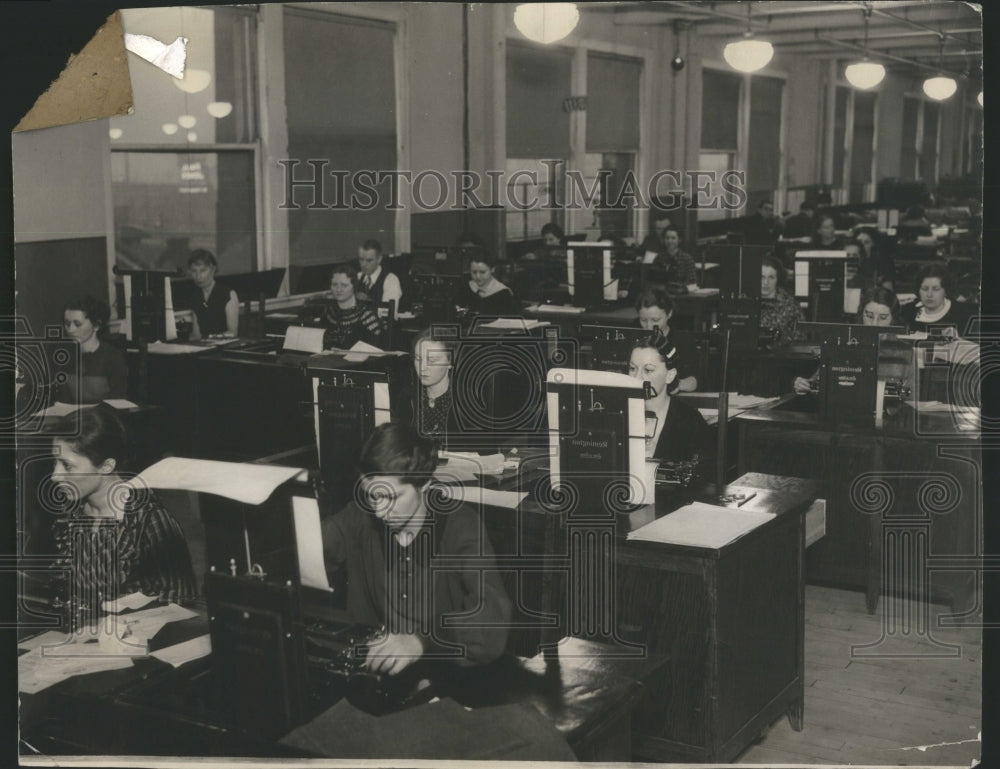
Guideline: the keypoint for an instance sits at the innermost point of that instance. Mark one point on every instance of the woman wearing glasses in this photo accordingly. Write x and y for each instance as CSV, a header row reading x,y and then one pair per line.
x,y
402,543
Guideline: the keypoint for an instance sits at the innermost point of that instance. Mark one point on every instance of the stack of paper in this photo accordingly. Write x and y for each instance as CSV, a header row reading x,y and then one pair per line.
x,y
478,464
701,525
566,309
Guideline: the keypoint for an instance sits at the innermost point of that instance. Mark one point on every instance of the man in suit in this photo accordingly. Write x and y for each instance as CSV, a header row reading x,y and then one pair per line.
x,y
763,228
377,285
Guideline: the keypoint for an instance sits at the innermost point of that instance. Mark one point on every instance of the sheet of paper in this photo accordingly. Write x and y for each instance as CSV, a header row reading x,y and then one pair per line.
x,y
36,672
916,336
51,638
704,291
303,339
360,350
121,403
309,543
133,601
514,324
562,309
162,348
251,484
452,472
405,316
702,525
283,315
649,257
59,409
187,651
143,625
480,496
479,464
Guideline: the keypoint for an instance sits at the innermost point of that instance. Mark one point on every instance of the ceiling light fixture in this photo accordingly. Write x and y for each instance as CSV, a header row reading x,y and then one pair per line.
x,y
940,87
865,74
748,55
546,22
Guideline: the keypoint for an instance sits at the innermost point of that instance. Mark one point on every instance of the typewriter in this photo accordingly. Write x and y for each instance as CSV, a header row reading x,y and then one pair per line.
x,y
335,653
677,475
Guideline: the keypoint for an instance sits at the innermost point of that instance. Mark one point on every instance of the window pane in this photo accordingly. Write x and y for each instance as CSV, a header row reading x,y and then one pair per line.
x,y
537,82
908,149
928,152
346,117
719,162
720,101
862,150
764,152
214,102
167,204
550,178
612,103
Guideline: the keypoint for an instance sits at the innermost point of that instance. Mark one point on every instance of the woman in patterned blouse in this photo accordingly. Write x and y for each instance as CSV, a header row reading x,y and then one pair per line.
x,y
779,312
116,538
349,320
680,266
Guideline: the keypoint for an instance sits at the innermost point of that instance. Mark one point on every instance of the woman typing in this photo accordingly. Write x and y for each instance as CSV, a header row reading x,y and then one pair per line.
x,y
878,307
655,309
115,539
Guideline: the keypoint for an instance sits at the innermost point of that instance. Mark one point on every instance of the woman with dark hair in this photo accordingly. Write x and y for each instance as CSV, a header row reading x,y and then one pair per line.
x,y
117,538
878,307
825,237
401,540
553,235
779,312
486,294
348,320
675,431
679,265
103,372
934,306
875,266
216,307
655,309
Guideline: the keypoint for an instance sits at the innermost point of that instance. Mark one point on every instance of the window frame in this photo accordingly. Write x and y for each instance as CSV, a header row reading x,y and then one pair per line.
x,y
848,143
743,128
573,219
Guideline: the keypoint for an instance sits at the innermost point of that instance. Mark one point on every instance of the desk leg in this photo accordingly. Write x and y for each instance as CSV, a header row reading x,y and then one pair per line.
x,y
741,462
795,714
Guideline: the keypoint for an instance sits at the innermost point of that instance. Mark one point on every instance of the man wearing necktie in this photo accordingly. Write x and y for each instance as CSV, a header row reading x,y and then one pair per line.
x,y
378,285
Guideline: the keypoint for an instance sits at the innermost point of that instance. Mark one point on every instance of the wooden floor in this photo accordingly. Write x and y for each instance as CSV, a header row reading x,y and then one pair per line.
x,y
900,708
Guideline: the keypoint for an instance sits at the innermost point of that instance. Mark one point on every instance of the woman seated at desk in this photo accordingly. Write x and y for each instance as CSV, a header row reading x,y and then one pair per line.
x,y
825,238
103,371
655,310
878,307
216,307
874,262
934,307
116,540
347,319
487,295
679,265
433,409
779,312
675,431
390,538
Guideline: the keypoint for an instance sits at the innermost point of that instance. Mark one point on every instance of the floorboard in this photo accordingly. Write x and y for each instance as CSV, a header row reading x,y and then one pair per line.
x,y
888,705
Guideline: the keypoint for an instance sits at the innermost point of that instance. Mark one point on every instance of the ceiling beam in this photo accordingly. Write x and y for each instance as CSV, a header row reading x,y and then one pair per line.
x,y
953,14
882,55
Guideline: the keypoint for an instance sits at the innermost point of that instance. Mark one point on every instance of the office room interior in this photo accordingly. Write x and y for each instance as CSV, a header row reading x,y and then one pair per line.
x,y
503,260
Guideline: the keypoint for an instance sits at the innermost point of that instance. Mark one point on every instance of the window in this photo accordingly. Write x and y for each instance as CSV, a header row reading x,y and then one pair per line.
x,y
612,138
538,80
908,145
741,118
348,119
918,159
853,145
183,165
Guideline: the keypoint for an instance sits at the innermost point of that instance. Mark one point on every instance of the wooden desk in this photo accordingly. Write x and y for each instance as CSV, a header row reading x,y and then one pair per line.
x,y
918,475
153,709
732,622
